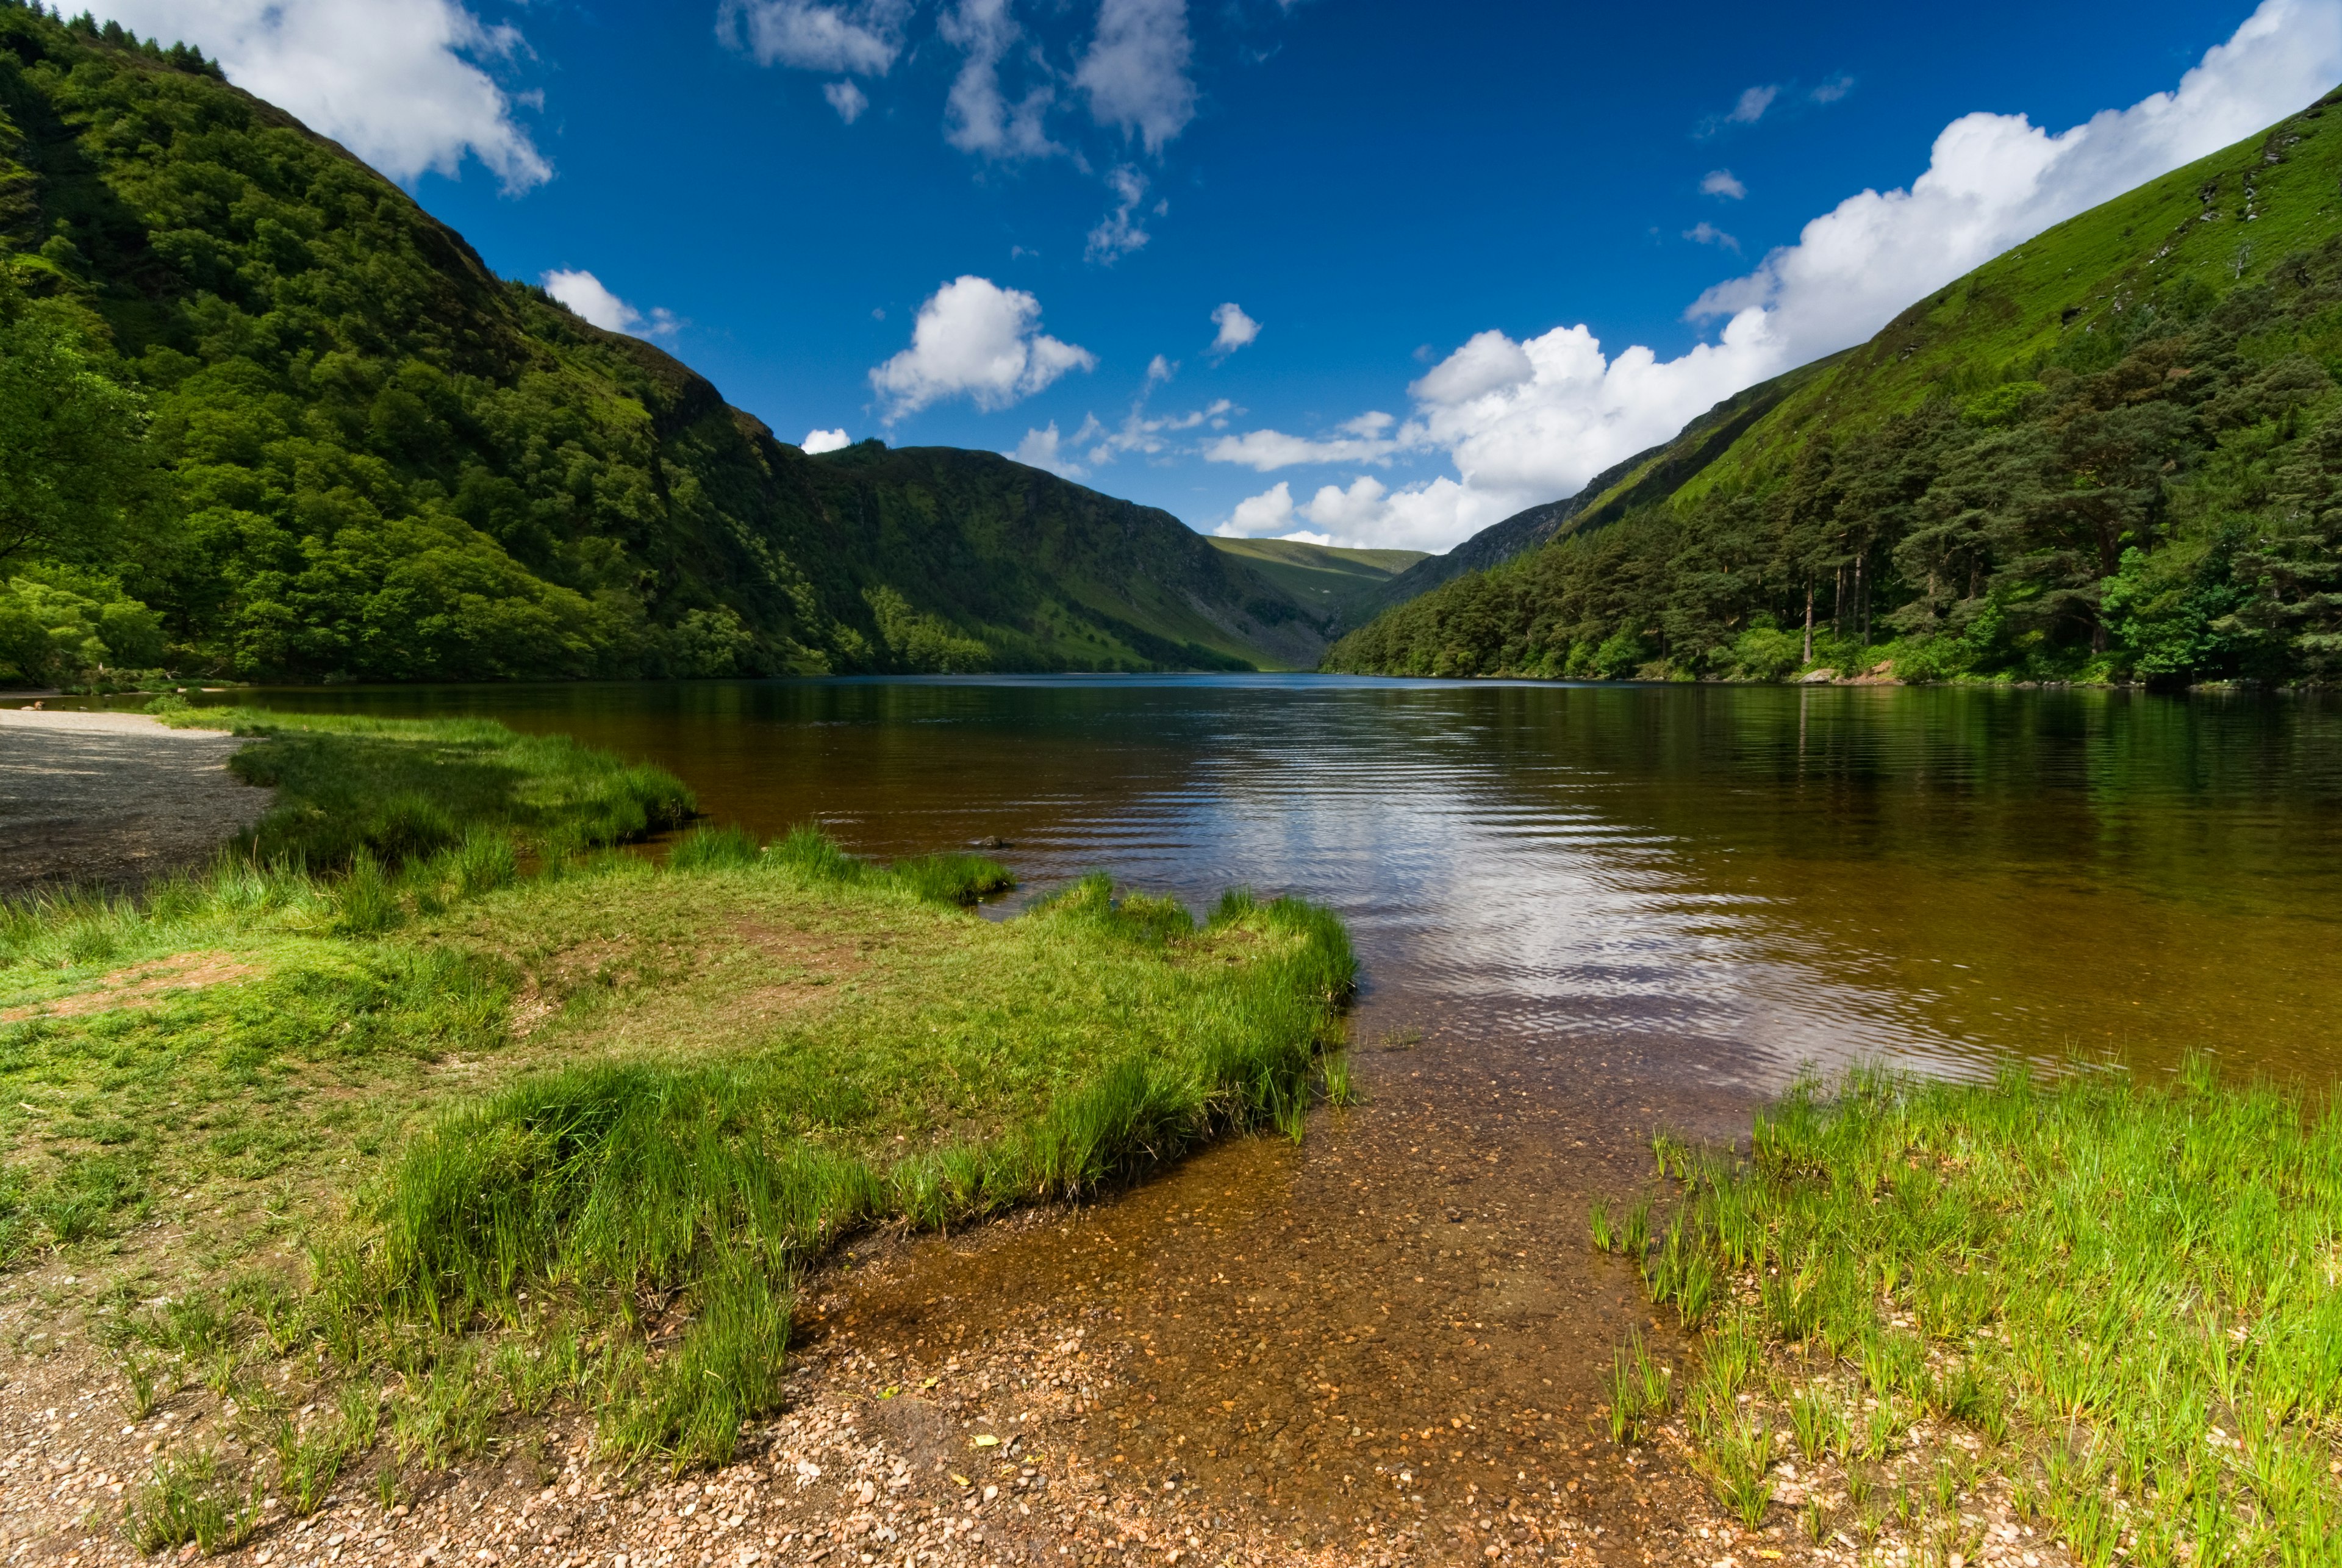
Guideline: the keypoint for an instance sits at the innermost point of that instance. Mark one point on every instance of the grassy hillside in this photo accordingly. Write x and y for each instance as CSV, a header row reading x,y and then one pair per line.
x,y
2113,451
1328,580
262,416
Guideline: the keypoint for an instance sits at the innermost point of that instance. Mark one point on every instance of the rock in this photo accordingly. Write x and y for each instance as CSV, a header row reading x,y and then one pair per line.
x,y
992,842
1817,677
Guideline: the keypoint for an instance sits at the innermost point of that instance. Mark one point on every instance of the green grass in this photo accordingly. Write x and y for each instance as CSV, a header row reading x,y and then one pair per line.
x,y
382,1086
717,1155
401,790
2109,1303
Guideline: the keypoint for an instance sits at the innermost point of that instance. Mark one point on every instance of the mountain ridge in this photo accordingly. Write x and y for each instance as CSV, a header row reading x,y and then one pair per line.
x,y
2112,453
367,457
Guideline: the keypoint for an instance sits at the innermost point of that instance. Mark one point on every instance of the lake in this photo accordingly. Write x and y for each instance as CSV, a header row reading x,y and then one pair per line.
x,y
1585,912
1740,880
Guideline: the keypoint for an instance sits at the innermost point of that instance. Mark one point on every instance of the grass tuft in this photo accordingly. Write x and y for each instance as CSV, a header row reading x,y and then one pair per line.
x,y
2123,1294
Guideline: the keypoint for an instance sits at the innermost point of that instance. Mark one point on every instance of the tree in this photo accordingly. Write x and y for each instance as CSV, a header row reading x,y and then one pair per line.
x,y
73,460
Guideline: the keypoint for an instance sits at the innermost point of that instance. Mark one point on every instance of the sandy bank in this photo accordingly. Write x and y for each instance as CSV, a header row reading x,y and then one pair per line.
x,y
112,798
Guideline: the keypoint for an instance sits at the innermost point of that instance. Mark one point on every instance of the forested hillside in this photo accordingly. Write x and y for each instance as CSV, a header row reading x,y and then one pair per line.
x,y
261,416
2114,451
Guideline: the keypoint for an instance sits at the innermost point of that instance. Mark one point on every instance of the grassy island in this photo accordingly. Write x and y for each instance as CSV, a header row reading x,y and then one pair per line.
x,y
426,1109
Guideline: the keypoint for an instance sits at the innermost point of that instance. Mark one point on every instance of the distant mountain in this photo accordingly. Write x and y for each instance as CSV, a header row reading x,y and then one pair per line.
x,y
1327,579
367,457
2114,451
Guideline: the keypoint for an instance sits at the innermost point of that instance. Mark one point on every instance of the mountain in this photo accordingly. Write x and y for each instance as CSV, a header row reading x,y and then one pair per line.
x,y
271,420
1330,580
1622,486
2114,451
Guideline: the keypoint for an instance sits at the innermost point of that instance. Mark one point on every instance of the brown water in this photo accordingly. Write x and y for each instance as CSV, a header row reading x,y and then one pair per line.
x,y
1742,879
1582,912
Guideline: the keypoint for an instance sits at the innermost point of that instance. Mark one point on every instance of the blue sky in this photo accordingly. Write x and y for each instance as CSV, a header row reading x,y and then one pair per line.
x,y
1415,205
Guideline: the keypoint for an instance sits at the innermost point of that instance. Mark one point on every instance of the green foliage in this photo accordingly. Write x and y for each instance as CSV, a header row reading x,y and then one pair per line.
x,y
2125,1290
75,461
62,626
345,449
2115,451
391,792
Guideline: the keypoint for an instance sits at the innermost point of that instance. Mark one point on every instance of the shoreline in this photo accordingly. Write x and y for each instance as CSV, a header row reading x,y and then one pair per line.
x,y
113,800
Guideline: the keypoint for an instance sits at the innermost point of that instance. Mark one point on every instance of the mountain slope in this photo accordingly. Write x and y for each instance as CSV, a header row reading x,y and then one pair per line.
x,y
2114,451
1329,579
369,457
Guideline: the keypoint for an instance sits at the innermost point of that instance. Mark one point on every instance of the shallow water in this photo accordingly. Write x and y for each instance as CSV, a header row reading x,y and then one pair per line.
x,y
1583,913
1749,879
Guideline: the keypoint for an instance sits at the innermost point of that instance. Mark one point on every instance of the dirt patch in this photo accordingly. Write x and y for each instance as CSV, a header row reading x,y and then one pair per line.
x,y
141,985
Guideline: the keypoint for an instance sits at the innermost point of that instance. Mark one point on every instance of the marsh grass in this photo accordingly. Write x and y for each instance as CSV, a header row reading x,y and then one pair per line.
x,y
2112,1303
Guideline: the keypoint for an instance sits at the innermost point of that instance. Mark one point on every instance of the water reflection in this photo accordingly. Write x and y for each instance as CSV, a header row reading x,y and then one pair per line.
x,y
1743,878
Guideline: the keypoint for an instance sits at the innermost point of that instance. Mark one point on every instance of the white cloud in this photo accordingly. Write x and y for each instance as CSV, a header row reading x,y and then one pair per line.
x,y
819,441
1118,233
585,294
1158,371
847,99
1995,180
975,339
1530,421
1706,233
977,115
1747,110
397,82
1236,329
1047,449
1831,91
1265,515
1720,183
1266,451
1135,70
863,37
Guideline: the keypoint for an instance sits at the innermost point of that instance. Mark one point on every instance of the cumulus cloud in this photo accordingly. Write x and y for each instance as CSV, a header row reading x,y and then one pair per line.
x,y
1720,183
977,114
1530,421
817,441
1706,233
847,99
1134,72
862,38
1047,449
585,294
400,82
1236,329
975,339
1118,233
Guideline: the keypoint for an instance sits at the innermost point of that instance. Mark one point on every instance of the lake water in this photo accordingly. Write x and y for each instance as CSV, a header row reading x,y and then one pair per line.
x,y
1743,880
1584,913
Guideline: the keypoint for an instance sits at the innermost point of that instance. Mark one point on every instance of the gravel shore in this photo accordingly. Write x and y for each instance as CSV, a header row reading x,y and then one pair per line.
x,y
113,798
